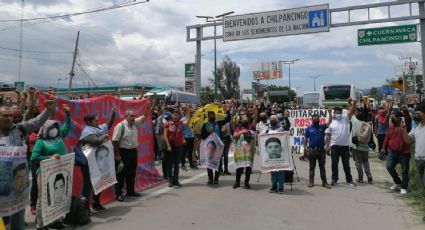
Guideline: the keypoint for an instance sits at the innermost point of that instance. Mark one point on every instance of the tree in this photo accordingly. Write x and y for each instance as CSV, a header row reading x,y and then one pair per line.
x,y
228,73
207,95
284,98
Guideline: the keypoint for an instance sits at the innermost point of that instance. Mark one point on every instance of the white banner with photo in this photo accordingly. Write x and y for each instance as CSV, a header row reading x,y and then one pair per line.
x,y
275,152
102,166
13,179
56,187
211,151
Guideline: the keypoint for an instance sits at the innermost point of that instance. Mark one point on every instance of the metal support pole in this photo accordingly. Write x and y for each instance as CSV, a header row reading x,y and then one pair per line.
x,y
289,75
422,25
198,66
71,74
215,63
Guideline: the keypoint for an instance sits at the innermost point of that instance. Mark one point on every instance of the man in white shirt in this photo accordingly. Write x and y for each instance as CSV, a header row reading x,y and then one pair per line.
x,y
338,139
417,135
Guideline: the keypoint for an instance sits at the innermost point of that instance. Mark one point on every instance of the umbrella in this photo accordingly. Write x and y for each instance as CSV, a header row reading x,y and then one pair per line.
x,y
201,116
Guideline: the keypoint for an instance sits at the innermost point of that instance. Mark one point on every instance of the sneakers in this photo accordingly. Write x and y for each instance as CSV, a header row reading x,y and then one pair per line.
x,y
177,184
133,194
170,184
119,198
273,190
210,182
98,207
281,192
215,181
395,187
351,184
369,180
57,225
334,182
326,185
403,191
359,181
236,185
247,186
227,173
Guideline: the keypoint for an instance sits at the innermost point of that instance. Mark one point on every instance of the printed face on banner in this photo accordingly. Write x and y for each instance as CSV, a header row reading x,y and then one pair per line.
x,y
58,190
274,151
211,151
101,164
102,159
19,178
5,178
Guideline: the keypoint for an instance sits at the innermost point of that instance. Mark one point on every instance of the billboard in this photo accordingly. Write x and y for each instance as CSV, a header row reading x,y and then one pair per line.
x,y
267,71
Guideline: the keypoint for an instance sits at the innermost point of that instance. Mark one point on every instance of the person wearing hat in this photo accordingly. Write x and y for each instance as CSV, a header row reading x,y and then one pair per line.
x,y
417,135
398,152
211,128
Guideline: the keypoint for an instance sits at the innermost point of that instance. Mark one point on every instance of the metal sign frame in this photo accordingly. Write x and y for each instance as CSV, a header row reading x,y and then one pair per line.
x,y
199,28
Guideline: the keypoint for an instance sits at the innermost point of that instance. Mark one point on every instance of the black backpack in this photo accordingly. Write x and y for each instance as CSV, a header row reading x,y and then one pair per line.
x,y
78,215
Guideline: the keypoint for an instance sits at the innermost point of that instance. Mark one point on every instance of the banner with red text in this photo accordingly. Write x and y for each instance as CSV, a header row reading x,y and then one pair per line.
x,y
146,174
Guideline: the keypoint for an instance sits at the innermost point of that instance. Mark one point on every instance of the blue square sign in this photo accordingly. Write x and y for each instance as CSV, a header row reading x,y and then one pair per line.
x,y
318,18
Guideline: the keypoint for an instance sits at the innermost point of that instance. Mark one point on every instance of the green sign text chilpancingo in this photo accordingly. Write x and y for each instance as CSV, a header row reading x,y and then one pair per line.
x,y
387,35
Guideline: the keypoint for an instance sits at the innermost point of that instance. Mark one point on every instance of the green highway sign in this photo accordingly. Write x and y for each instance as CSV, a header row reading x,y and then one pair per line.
x,y
387,35
189,70
20,85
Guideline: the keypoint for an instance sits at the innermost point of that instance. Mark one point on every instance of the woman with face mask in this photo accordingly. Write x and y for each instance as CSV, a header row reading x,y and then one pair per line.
x,y
50,145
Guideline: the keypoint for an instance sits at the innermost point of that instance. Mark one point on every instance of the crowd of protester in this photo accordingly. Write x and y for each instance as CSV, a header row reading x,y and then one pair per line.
x,y
348,132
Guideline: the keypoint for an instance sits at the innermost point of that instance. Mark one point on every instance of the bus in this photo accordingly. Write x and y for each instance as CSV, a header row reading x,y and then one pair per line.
x,y
172,96
338,95
311,99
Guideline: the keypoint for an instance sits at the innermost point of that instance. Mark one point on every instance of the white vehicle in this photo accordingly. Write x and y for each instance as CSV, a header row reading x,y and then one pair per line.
x,y
338,95
172,96
311,99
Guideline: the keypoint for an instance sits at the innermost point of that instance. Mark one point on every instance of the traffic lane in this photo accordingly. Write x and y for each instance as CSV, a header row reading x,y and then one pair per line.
x,y
196,206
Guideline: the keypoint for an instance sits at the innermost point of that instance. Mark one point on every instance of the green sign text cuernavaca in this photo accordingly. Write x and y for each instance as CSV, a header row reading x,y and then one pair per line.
x,y
387,35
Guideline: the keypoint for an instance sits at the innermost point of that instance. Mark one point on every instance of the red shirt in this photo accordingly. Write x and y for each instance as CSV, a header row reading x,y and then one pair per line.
x,y
175,133
394,141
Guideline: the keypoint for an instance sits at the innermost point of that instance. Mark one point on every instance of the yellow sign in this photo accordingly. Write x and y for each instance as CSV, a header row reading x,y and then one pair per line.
x,y
201,116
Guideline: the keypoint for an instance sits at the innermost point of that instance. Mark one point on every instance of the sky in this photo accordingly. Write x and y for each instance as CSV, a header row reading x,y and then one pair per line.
x,y
146,44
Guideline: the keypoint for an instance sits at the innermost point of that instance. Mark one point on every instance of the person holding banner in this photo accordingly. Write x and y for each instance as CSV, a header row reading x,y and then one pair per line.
x,y
13,135
208,129
50,145
93,135
125,141
246,131
274,150
314,136
174,138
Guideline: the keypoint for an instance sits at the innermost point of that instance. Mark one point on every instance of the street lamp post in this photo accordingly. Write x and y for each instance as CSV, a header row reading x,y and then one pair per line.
x,y
57,89
215,20
314,79
289,63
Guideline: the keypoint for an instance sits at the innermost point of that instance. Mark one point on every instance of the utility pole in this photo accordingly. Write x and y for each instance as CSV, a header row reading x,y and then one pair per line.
x,y
422,27
314,79
71,74
20,41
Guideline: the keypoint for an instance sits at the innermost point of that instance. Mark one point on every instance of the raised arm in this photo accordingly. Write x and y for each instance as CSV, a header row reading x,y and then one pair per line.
x,y
67,125
352,106
35,123
112,118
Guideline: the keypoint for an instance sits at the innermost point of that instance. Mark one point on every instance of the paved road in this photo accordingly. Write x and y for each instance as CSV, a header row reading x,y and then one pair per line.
x,y
198,206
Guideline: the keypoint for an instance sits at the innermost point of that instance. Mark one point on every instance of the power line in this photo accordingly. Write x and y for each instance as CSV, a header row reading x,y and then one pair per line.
x,y
36,51
113,7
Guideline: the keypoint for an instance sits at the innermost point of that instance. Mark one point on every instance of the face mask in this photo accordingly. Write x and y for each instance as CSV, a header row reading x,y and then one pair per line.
x,y
264,119
245,124
273,123
316,122
53,133
338,116
212,119
417,118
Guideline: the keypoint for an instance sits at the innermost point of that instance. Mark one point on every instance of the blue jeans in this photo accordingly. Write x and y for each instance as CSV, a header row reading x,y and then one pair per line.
x,y
16,221
392,161
278,177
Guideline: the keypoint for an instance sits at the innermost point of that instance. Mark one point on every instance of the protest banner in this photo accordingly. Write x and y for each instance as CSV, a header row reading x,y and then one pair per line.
x,y
56,187
146,174
275,152
211,151
14,180
244,150
300,120
101,164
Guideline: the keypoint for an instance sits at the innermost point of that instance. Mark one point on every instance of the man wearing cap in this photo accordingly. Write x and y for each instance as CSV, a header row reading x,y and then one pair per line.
x,y
417,135
398,152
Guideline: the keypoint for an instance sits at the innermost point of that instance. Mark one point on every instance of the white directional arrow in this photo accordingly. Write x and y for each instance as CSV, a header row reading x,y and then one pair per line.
x,y
369,33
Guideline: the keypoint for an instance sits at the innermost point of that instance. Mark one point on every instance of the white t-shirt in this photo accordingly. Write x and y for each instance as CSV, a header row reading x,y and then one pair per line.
x,y
418,136
340,131
262,127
